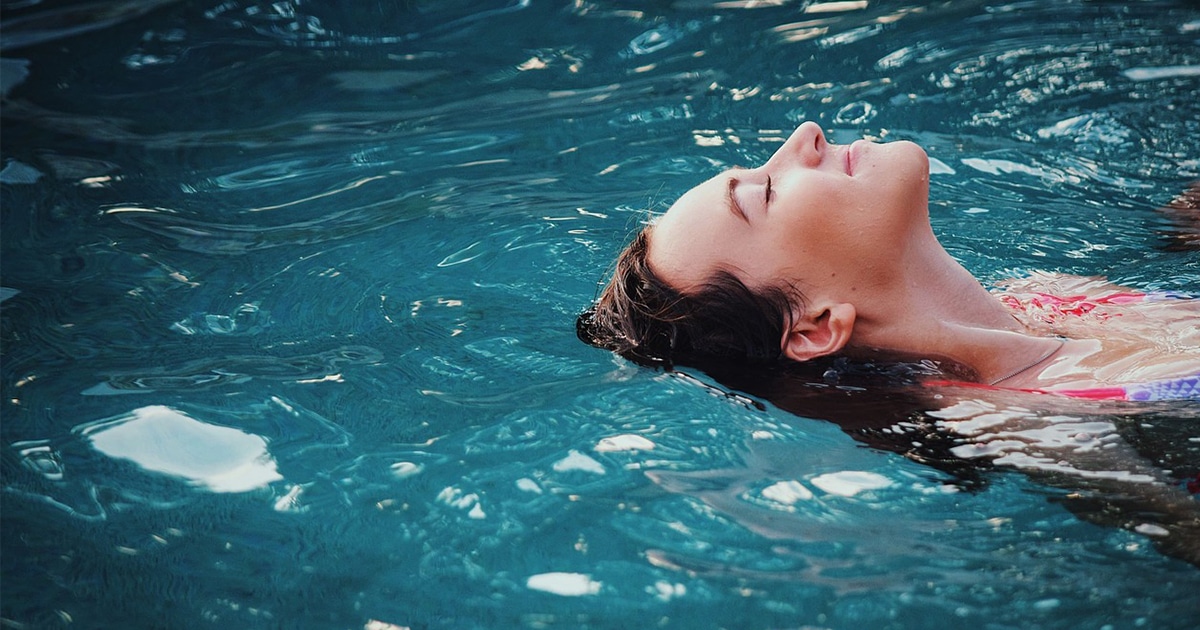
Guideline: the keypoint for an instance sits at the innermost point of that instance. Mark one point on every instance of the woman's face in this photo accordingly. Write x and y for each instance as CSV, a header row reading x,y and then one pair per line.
x,y
817,216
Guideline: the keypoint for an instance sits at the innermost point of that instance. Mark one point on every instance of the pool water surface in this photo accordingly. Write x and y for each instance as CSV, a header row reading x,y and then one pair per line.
x,y
289,295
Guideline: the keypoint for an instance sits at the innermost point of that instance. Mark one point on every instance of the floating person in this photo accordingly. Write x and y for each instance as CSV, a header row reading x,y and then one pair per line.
x,y
827,250
815,281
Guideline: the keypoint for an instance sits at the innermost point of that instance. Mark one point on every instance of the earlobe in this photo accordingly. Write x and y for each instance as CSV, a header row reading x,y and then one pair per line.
x,y
824,332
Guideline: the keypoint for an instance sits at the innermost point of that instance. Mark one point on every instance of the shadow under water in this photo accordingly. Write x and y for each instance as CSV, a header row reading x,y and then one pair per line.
x,y
1118,464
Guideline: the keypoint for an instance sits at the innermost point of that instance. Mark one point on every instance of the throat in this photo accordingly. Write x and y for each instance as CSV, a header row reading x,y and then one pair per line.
x,y
953,295
938,310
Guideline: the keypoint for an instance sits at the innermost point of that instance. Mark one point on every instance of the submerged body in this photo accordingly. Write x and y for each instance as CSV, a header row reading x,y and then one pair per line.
x,y
1117,343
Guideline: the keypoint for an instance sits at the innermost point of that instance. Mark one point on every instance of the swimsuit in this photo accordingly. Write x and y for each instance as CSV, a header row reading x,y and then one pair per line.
x,y
1183,388
1050,308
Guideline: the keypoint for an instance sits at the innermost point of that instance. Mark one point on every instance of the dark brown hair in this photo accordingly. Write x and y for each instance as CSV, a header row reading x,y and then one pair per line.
x,y
643,318
733,333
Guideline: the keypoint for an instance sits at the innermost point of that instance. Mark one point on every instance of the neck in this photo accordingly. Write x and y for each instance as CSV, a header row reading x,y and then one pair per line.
x,y
946,314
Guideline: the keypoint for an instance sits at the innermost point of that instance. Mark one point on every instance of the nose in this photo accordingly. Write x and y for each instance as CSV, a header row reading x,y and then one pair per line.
x,y
806,145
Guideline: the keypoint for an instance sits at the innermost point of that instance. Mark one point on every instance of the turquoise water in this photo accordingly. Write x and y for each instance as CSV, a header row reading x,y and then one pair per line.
x,y
288,318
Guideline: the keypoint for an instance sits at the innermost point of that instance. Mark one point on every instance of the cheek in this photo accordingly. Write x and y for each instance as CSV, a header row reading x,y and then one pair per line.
x,y
803,247
825,215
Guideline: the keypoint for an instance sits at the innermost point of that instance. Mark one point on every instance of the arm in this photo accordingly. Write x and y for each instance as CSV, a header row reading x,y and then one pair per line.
x,y
1184,214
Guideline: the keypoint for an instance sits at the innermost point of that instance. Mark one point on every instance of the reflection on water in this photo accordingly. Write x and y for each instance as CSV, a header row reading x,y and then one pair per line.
x,y
181,449
315,267
162,440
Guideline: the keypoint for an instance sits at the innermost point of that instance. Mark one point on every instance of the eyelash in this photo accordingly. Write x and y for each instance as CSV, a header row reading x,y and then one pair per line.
x,y
767,196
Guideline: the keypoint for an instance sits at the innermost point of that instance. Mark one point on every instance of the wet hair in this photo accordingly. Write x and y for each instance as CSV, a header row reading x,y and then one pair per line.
x,y
640,316
732,334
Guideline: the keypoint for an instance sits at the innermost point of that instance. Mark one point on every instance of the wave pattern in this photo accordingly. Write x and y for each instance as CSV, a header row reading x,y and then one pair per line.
x,y
289,291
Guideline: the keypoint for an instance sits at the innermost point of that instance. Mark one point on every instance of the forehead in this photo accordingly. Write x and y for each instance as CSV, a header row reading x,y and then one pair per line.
x,y
706,194
685,242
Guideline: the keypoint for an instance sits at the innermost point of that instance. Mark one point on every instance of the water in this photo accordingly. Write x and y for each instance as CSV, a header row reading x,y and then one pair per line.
x,y
290,288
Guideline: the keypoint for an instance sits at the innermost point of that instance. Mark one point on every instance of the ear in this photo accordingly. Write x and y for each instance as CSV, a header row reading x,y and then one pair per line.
x,y
820,332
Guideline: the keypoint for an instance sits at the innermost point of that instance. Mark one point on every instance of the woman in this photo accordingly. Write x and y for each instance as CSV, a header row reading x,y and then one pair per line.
x,y
824,257
827,250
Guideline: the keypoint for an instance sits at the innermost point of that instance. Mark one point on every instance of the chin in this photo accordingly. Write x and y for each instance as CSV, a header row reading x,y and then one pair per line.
x,y
911,151
913,161
908,178
904,165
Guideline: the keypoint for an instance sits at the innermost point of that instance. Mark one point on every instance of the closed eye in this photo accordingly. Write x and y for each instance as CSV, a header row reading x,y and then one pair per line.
x,y
731,200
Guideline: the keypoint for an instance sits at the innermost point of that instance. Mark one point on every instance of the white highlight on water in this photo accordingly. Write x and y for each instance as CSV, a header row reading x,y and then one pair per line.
x,y
565,584
164,440
528,485
578,461
1150,529
848,483
625,442
1162,72
787,492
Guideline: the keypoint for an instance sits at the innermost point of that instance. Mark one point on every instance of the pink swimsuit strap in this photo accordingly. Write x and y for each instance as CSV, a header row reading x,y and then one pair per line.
x,y
1073,305
1182,388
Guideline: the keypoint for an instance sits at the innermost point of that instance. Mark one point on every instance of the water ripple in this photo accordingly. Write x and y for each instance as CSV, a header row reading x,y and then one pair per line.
x,y
344,246
236,370
212,237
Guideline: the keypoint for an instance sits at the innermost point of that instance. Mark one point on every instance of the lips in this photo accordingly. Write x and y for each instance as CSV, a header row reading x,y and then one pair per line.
x,y
852,153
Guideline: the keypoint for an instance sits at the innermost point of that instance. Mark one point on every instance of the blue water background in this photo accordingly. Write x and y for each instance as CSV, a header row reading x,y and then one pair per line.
x,y
338,248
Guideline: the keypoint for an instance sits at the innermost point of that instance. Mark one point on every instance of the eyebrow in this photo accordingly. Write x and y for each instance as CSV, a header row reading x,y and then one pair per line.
x,y
735,208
